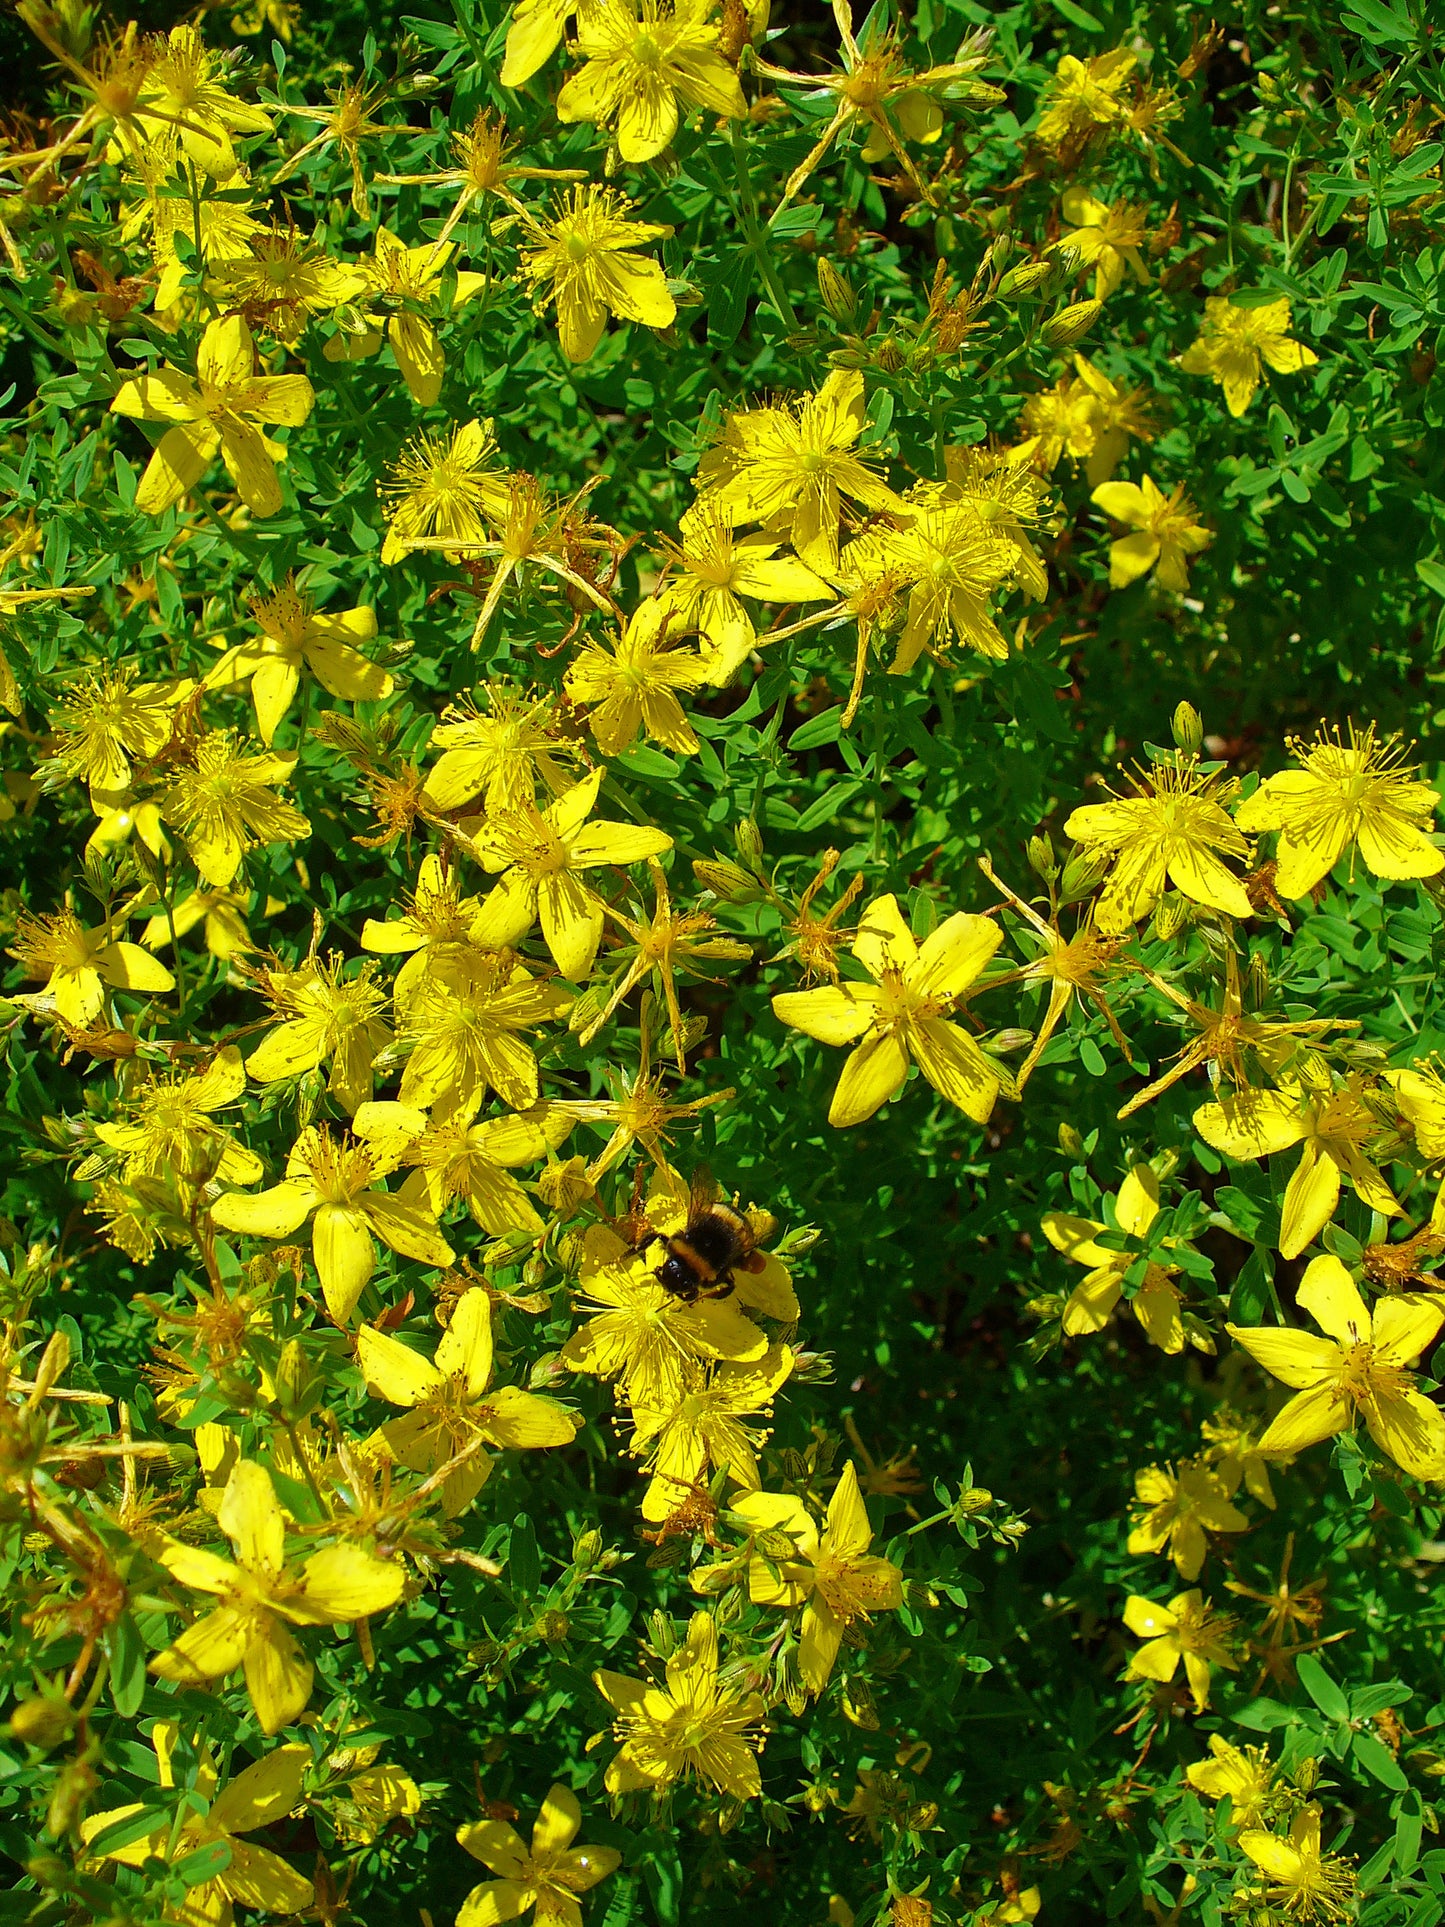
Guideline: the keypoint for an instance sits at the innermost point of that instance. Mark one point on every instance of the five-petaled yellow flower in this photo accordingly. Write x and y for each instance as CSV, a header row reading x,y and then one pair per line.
x,y
548,1875
218,408
1335,1128
1358,1370
1103,236
694,1726
1165,535
541,856
408,279
1304,1882
260,1598
224,804
77,964
792,466
295,637
1235,345
259,1796
583,259
1359,793
1186,1629
1172,830
453,1415
647,59
1180,1506
1090,1305
1244,1776
633,686
902,1016
336,1184
832,1576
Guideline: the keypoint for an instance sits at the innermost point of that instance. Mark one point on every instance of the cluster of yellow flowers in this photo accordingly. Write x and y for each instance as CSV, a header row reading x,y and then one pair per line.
x,y
427,1072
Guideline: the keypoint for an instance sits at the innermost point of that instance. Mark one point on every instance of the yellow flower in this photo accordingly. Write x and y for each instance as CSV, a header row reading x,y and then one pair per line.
x,y
833,1576
259,1796
899,1018
1304,1883
548,1875
541,857
703,1432
711,570
645,59
647,1337
458,1157
106,723
1166,533
439,924
1091,1304
1242,1775
1091,420
1186,1629
1235,344
533,37
483,167
1182,1505
1082,97
661,946
77,964
633,685
337,1183
260,1598
219,227
224,805
1171,832
533,530
791,467
953,561
1335,1128
443,485
1358,1371
1362,794
325,1016
171,1128
294,637
218,408
460,1027
183,103
499,752
1008,496
1103,236
877,90
1233,1446
693,1726
452,1414
583,260
223,912
282,281
406,280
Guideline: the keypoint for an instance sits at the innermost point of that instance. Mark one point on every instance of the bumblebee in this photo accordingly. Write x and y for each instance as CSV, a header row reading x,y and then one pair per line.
x,y
700,1259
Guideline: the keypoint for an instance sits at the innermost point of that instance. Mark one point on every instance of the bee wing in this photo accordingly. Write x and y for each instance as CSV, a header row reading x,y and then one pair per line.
x,y
702,1192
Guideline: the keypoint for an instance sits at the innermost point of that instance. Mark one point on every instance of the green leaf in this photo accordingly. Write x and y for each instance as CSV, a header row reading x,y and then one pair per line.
x,y
1078,16
524,1563
1323,1690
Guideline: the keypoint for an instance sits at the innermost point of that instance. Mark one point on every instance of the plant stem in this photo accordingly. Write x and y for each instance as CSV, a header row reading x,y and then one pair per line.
x,y
755,237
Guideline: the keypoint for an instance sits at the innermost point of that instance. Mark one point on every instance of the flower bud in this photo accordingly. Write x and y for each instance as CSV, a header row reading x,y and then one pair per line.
x,y
1170,916
1071,324
1026,279
1083,871
1042,860
297,1390
1004,1041
749,839
838,298
587,1549
1070,1143
1188,729
44,1720
727,880
564,1186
